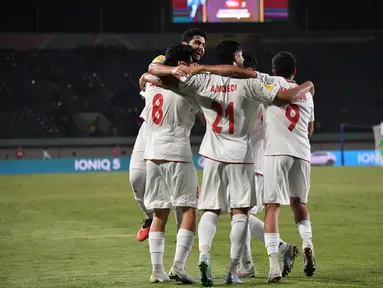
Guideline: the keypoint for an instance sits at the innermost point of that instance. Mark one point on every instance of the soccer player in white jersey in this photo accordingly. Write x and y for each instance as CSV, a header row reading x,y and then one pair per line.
x,y
287,251
287,166
228,182
171,178
197,39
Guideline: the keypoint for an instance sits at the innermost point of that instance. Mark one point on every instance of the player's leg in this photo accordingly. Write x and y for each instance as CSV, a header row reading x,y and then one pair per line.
x,y
183,182
246,267
157,245
288,252
157,198
178,216
299,187
137,175
241,190
137,180
211,200
275,193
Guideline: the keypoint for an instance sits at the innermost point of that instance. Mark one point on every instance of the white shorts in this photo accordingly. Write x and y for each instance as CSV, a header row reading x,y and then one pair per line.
x,y
285,177
170,184
137,159
258,191
227,186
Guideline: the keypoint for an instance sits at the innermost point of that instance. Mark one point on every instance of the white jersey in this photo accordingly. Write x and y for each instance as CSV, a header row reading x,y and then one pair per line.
x,y
257,130
228,105
287,126
257,136
169,119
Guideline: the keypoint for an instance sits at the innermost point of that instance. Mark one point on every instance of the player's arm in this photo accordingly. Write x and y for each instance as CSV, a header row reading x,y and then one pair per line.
x,y
164,82
202,119
147,77
274,93
311,129
224,70
311,123
142,82
159,69
295,93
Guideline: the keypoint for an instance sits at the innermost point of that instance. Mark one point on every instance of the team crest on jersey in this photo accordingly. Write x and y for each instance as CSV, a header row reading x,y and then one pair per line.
x,y
268,87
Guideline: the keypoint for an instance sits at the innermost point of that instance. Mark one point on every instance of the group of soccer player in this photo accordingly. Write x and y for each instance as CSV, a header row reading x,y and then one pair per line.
x,y
256,153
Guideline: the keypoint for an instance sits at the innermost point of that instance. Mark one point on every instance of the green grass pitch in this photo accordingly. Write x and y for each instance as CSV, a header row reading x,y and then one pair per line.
x,y
79,230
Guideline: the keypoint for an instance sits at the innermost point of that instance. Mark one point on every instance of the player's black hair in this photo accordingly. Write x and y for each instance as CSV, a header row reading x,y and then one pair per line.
x,y
178,52
226,51
188,35
284,64
249,60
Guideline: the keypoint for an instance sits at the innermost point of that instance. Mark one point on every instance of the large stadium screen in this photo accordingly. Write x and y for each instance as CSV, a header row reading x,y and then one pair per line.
x,y
229,11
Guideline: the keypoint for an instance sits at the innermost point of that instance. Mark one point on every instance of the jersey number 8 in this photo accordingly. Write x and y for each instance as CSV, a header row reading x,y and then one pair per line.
x,y
157,112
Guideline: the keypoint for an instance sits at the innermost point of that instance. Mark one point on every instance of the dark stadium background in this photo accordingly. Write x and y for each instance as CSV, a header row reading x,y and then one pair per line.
x,y
60,59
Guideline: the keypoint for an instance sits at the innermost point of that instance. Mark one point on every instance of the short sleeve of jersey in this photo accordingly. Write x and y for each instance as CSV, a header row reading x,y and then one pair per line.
x,y
195,83
159,59
261,91
265,77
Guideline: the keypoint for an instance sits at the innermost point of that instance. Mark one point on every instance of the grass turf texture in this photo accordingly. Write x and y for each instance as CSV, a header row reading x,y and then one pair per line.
x,y
79,230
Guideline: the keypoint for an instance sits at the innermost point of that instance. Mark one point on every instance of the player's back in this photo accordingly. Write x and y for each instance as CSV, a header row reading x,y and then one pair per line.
x,y
228,105
257,136
169,118
287,126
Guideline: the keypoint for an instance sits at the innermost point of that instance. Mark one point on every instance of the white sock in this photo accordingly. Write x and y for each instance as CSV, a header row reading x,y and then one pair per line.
x,y
238,234
305,231
272,243
185,239
256,228
178,216
156,248
206,231
246,258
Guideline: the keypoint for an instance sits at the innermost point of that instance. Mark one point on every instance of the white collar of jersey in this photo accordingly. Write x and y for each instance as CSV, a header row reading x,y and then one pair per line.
x,y
143,94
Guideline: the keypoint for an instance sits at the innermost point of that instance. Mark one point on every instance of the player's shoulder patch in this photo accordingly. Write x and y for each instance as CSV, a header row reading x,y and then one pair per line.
x,y
159,59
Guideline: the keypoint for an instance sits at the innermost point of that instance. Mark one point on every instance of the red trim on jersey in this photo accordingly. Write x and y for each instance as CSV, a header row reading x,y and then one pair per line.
x,y
226,162
162,160
289,156
260,174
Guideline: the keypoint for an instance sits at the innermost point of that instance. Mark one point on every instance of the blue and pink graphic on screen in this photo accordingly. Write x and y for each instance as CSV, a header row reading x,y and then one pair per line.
x,y
226,11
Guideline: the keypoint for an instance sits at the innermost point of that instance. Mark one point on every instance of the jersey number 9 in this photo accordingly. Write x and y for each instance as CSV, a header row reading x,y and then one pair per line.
x,y
292,114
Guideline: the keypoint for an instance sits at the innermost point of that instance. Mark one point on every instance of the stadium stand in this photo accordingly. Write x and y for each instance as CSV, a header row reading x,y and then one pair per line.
x,y
93,91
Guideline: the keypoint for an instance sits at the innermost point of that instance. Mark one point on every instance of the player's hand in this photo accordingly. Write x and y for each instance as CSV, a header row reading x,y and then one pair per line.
x,y
181,71
142,83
